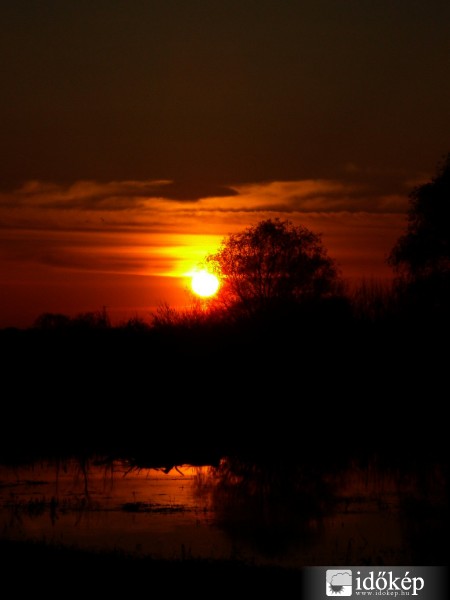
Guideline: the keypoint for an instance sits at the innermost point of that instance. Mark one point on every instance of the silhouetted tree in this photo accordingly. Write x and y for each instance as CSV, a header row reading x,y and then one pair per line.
x,y
424,250
135,324
421,257
273,263
92,320
52,321
88,320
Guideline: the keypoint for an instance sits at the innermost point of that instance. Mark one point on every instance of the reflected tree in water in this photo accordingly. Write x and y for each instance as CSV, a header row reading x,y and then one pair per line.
x,y
270,505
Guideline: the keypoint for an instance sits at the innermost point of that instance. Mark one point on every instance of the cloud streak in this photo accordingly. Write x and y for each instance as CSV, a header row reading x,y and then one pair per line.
x,y
148,197
56,233
125,227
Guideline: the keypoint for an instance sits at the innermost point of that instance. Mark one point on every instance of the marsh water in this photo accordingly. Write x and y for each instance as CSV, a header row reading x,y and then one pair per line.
x,y
257,515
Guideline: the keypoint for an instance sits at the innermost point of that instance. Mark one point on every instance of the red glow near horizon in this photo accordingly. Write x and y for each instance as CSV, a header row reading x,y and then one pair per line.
x,y
58,256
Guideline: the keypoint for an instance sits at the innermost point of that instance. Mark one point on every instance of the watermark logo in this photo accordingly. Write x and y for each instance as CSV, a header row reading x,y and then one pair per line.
x,y
423,583
384,583
339,582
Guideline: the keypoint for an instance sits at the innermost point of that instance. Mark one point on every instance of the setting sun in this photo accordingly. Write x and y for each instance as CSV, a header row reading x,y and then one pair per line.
x,y
204,283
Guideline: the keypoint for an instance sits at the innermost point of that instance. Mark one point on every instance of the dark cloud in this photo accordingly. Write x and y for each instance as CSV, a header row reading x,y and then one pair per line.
x,y
216,92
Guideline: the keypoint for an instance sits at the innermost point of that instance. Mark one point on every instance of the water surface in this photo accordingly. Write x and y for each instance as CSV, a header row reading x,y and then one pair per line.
x,y
258,515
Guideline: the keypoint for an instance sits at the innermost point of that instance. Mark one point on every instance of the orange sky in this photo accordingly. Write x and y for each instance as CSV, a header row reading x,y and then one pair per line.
x,y
135,135
123,245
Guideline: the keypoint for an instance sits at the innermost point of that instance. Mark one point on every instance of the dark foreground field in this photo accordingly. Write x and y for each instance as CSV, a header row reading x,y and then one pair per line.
x,y
318,394
322,388
59,571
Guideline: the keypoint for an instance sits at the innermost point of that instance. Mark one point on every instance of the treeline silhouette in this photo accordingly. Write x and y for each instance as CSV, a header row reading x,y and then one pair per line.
x,y
287,361
347,376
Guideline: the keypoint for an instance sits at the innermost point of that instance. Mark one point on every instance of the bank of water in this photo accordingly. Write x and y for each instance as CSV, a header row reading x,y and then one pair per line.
x,y
357,516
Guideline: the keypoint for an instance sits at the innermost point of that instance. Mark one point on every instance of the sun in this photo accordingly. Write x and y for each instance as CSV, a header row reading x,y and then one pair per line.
x,y
204,283
336,589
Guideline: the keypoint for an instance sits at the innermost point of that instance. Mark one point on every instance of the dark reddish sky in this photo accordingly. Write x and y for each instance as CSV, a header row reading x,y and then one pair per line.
x,y
136,134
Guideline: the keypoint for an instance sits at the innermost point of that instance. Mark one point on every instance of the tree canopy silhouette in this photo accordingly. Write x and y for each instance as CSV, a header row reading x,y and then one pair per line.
x,y
424,250
271,263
